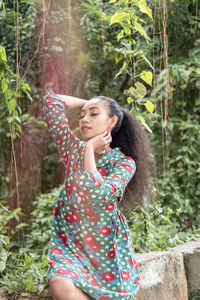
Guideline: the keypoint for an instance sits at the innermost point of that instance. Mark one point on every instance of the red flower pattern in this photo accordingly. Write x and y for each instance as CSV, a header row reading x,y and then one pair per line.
x,y
72,273
70,187
95,246
117,229
111,254
125,275
62,271
69,218
77,254
63,124
69,261
110,207
59,140
55,211
67,168
108,276
85,275
62,235
94,262
79,245
76,216
94,283
122,291
55,250
94,217
137,281
52,263
105,230
89,239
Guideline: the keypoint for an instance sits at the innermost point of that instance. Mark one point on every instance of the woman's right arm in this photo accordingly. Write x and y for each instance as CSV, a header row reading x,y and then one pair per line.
x,y
54,107
72,102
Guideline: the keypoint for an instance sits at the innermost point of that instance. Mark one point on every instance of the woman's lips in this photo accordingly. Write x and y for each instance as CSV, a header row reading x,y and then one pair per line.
x,y
85,128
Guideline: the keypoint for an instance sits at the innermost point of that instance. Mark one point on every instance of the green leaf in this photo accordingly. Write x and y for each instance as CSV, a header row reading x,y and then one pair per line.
x,y
25,86
4,240
7,67
129,100
11,105
4,85
144,8
147,77
2,266
4,254
149,106
141,30
3,5
8,94
139,91
120,35
142,120
144,57
112,1
118,17
1,69
3,53
122,69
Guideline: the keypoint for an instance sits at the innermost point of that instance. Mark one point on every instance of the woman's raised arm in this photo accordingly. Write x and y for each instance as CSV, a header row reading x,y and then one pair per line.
x,y
72,102
54,107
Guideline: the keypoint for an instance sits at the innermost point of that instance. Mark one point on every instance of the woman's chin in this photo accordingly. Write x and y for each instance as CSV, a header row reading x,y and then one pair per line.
x,y
87,137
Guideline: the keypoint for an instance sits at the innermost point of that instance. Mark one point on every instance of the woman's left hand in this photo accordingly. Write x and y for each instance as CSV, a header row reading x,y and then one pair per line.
x,y
100,142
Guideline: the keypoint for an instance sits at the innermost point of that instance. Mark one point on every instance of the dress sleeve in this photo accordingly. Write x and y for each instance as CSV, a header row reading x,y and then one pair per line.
x,y
54,114
112,186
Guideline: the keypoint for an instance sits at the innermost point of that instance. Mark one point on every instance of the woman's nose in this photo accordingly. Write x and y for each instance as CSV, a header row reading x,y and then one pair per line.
x,y
84,119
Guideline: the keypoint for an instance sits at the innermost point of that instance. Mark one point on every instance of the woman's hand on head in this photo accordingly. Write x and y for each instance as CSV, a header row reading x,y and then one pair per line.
x,y
100,142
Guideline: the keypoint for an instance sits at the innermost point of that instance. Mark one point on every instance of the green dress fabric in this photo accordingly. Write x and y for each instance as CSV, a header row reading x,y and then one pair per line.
x,y
90,241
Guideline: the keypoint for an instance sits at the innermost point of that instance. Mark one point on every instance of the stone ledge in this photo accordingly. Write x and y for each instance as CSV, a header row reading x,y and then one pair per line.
x,y
162,276
191,254
172,274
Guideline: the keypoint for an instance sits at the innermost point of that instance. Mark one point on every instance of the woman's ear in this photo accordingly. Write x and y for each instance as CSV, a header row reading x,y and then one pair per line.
x,y
113,122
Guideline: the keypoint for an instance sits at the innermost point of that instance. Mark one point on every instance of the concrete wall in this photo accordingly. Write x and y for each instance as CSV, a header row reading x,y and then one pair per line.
x,y
172,274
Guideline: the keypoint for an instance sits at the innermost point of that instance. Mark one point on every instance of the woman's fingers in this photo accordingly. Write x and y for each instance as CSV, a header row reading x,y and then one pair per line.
x,y
101,142
108,138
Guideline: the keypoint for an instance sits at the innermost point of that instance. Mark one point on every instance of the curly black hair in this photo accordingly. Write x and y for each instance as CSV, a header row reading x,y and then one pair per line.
x,y
133,140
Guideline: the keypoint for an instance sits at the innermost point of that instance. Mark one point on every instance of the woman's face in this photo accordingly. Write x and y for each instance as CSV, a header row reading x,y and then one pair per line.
x,y
94,119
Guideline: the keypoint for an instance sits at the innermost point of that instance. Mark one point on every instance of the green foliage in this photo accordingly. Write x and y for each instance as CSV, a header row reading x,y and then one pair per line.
x,y
9,82
6,216
12,87
129,16
41,220
8,18
180,187
25,272
117,52
156,229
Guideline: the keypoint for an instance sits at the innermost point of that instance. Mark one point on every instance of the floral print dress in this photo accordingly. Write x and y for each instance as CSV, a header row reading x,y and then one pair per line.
x,y
90,240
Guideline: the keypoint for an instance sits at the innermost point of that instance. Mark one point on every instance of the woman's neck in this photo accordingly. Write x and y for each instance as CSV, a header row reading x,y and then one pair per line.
x,y
98,156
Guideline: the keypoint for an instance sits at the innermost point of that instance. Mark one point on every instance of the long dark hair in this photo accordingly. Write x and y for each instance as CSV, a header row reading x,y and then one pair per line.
x,y
133,140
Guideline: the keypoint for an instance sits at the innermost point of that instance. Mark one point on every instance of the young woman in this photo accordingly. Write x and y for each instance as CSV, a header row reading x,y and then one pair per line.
x,y
91,254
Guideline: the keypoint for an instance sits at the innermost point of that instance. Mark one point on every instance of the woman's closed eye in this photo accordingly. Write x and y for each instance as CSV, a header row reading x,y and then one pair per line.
x,y
82,116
